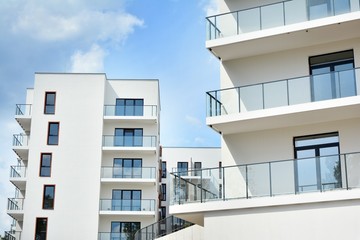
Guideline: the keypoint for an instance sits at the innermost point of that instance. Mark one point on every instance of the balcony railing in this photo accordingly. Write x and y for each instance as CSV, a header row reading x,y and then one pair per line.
x,y
317,174
124,172
144,111
20,140
12,235
129,141
17,172
275,15
23,109
312,88
161,228
127,205
15,204
192,172
115,236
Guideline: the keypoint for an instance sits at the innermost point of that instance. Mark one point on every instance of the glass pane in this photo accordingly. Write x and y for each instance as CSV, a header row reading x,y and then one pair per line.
x,y
319,9
129,107
330,168
139,107
346,84
238,175
116,194
316,140
230,100
272,15
295,11
258,180
322,87
306,171
341,6
50,99
251,98
282,178
275,94
249,20
296,96
353,170
120,107
115,226
54,129
227,24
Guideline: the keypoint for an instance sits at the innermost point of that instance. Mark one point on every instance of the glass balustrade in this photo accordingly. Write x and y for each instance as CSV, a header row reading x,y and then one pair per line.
x,y
128,172
275,15
313,88
23,109
129,141
144,111
296,176
127,205
20,140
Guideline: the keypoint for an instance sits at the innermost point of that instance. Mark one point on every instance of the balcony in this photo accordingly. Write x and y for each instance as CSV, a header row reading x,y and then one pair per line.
x,y
15,208
162,228
323,97
18,176
141,114
13,235
269,179
129,143
283,25
192,175
21,145
143,207
128,175
23,116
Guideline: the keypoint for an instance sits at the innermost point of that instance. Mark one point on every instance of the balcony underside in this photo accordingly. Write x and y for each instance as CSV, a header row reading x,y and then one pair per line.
x,y
20,183
16,214
287,116
22,152
24,122
276,39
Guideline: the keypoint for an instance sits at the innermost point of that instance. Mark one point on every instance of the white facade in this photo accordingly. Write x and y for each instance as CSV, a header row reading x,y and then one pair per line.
x,y
288,113
97,138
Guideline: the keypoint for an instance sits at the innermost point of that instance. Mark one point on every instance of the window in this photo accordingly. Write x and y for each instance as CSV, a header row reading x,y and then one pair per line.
x,y
128,137
163,169
49,103
324,8
127,168
45,165
48,197
197,168
163,192
53,134
333,76
126,200
318,167
129,107
124,230
182,168
40,228
162,213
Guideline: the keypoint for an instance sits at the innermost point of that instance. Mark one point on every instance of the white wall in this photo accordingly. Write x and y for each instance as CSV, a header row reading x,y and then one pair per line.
x,y
194,232
76,160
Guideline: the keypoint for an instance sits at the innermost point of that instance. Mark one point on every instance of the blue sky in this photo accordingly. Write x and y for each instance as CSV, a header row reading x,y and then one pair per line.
x,y
157,39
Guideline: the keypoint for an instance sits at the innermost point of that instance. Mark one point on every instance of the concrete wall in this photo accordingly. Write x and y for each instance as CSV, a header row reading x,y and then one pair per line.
x,y
195,232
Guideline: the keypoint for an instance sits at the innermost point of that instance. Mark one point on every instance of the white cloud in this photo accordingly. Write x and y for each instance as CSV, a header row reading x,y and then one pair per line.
x,y
45,22
91,61
211,7
194,121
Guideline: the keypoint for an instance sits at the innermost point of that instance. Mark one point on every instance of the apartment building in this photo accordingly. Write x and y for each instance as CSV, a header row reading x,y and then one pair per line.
x,y
288,113
88,158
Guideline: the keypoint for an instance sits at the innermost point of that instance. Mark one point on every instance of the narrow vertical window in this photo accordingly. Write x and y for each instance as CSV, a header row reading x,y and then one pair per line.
x,y
163,169
162,213
163,192
45,165
53,134
48,197
50,103
41,229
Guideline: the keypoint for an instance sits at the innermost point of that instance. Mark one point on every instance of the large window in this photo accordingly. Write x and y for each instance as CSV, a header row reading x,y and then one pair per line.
x,y
124,230
317,165
163,169
129,107
128,137
127,168
333,76
163,192
49,107
53,133
126,200
45,165
182,168
40,228
49,197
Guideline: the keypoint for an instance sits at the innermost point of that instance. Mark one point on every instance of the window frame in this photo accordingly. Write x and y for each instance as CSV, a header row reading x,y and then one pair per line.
x,y
44,199
129,106
49,136
49,105
163,170
36,227
41,164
